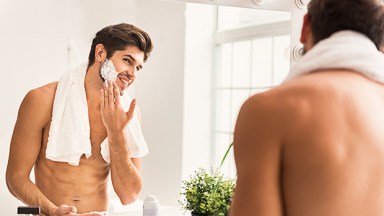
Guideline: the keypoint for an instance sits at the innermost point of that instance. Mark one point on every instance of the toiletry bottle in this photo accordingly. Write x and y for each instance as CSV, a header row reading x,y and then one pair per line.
x,y
151,206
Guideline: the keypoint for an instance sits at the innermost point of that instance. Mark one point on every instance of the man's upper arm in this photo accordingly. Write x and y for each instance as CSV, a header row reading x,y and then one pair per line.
x,y
27,134
257,147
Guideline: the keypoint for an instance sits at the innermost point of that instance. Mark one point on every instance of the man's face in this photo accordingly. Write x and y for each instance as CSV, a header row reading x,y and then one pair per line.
x,y
127,63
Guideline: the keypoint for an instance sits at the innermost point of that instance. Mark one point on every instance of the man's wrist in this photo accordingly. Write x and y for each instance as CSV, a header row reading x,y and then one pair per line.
x,y
51,211
116,137
117,142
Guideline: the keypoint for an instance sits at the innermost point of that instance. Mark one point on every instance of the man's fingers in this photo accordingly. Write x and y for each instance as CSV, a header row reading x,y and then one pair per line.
x,y
131,109
70,209
74,209
66,209
116,93
87,214
110,94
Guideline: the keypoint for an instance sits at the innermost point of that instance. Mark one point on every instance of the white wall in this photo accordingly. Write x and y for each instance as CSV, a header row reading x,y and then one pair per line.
x,y
199,64
160,94
32,54
34,38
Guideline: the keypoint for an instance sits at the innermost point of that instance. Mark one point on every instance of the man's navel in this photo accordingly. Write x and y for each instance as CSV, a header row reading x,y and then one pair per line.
x,y
76,199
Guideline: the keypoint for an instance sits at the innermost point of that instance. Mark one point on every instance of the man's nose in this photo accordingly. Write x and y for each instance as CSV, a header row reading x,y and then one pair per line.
x,y
132,72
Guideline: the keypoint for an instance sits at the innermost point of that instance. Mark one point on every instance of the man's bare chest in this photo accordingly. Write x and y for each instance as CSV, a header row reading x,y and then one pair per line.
x,y
98,133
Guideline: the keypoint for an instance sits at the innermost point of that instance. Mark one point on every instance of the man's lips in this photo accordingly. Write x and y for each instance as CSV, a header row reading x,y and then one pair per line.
x,y
124,80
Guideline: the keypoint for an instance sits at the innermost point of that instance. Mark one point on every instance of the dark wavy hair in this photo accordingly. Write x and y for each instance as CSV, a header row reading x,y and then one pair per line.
x,y
364,16
119,37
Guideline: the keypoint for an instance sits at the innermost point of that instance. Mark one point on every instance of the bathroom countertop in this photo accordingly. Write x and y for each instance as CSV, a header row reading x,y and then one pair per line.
x,y
136,209
169,211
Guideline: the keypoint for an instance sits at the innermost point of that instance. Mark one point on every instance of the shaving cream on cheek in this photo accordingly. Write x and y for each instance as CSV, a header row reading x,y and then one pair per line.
x,y
108,71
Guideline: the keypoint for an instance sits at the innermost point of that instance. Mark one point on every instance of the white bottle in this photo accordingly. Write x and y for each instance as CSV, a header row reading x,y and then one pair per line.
x,y
151,206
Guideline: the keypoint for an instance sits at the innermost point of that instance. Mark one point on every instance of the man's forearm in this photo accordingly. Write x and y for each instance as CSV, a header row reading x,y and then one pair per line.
x,y
126,178
30,194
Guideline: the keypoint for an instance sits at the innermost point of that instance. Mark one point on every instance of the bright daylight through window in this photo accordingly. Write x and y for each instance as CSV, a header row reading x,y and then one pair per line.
x,y
252,56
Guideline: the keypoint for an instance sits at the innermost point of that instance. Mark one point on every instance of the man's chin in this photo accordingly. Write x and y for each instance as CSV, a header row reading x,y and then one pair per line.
x,y
122,91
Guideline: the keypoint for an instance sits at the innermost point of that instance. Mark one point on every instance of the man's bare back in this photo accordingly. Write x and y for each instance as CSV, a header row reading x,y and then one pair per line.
x,y
327,152
314,145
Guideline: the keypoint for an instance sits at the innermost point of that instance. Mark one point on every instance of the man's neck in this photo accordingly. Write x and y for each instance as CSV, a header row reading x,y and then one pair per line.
x,y
93,83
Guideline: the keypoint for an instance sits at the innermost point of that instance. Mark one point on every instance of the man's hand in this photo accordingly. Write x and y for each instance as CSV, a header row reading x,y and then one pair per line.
x,y
112,113
66,210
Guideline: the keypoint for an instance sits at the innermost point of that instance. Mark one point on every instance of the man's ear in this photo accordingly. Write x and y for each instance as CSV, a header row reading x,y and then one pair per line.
x,y
381,49
100,53
305,30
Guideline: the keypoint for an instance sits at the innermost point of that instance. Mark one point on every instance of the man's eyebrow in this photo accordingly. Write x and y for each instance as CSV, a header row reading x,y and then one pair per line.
x,y
131,57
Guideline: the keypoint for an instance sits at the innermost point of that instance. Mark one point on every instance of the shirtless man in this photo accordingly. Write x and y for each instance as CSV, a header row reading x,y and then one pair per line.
x,y
314,146
63,189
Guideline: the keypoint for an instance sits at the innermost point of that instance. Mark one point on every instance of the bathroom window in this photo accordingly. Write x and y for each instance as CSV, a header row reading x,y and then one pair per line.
x,y
252,56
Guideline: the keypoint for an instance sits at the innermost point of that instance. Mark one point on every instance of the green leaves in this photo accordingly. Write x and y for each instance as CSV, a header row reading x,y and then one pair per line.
x,y
207,193
226,154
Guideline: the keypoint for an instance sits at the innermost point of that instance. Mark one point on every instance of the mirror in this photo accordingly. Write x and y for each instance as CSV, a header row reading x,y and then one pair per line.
x,y
231,53
297,8
191,87
247,50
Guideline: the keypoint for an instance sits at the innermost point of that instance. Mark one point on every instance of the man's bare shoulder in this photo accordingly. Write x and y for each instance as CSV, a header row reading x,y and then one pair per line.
x,y
38,102
301,88
41,96
291,106
261,115
305,93
49,88
282,100
320,83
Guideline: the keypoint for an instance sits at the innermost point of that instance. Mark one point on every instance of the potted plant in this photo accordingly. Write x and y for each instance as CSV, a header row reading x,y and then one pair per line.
x,y
207,194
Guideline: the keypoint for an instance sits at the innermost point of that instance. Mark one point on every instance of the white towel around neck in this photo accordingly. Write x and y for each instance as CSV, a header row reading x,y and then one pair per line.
x,y
69,134
343,50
